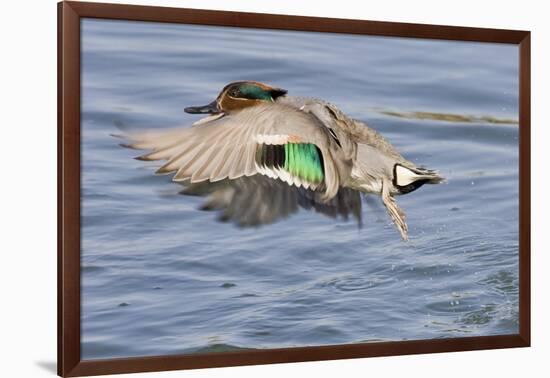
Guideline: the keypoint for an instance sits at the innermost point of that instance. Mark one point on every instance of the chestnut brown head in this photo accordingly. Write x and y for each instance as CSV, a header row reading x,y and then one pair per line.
x,y
239,95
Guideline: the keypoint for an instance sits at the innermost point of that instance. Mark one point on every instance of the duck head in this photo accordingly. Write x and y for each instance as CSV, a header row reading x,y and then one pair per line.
x,y
238,95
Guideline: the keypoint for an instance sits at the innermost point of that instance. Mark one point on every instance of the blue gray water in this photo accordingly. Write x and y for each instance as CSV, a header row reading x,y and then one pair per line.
x,y
160,277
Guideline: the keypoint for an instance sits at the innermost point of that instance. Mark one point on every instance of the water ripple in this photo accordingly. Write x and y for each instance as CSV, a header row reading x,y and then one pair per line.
x,y
160,277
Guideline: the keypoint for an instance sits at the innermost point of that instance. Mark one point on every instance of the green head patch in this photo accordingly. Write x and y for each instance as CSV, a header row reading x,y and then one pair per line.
x,y
254,91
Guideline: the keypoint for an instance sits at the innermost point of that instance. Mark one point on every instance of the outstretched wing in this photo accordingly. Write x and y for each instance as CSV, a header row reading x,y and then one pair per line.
x,y
273,140
259,200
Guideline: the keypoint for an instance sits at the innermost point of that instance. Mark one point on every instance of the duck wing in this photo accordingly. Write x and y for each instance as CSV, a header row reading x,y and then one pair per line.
x,y
273,140
258,200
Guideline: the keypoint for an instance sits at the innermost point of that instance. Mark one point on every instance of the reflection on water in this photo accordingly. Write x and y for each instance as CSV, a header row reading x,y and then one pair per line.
x,y
258,200
160,277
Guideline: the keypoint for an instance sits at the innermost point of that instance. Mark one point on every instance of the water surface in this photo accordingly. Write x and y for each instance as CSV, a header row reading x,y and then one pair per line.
x,y
160,277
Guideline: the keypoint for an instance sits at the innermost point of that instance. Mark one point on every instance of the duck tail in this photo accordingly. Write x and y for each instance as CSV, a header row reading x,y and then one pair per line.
x,y
404,176
431,175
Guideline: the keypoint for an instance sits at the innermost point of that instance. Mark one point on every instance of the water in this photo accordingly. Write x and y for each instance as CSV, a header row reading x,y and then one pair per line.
x,y
160,277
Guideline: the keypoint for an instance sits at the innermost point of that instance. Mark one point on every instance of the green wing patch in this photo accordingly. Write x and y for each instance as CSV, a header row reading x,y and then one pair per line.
x,y
302,160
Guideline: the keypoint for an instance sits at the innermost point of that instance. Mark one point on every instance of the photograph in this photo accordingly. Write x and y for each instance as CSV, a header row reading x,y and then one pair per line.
x,y
252,189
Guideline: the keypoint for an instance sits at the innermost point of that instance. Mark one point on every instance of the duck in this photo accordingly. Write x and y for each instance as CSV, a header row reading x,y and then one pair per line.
x,y
254,130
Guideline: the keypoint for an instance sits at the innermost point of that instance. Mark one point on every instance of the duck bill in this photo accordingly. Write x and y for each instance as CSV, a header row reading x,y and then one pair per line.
x,y
211,108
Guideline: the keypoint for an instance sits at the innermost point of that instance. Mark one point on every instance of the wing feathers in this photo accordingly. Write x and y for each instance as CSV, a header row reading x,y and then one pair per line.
x,y
226,147
178,161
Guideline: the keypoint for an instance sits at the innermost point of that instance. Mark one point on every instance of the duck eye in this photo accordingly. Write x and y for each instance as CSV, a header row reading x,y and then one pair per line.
x,y
234,92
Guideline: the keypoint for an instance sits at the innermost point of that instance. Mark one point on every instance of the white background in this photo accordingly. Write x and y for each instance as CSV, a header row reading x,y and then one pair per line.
x,y
28,186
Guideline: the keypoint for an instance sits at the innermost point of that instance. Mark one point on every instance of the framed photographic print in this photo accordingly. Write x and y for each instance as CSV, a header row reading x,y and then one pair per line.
x,y
239,188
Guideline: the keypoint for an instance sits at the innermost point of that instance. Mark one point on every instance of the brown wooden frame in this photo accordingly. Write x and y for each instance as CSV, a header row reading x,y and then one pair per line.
x,y
69,15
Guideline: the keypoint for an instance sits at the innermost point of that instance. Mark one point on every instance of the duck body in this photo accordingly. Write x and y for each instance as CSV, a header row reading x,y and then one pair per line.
x,y
253,129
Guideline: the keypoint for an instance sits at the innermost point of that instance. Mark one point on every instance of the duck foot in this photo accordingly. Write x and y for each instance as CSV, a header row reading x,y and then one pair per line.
x,y
396,213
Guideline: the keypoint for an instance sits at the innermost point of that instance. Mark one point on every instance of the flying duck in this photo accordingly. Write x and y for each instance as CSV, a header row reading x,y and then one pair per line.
x,y
253,131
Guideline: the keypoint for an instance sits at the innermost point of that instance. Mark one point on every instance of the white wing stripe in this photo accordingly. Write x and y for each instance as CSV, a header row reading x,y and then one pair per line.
x,y
281,174
271,139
